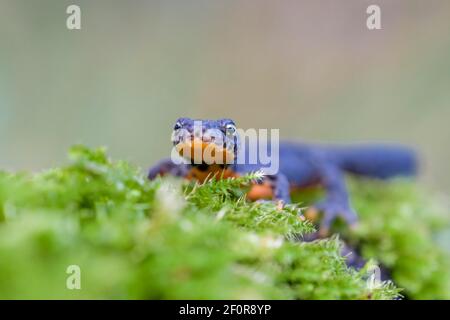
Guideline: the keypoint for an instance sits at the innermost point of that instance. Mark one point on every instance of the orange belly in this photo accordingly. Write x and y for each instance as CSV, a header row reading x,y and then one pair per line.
x,y
262,191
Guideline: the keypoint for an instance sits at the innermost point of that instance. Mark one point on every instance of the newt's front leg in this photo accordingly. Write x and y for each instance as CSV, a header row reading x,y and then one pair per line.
x,y
272,187
167,167
336,203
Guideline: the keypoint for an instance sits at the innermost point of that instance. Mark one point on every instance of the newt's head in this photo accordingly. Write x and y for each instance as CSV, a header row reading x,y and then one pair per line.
x,y
206,141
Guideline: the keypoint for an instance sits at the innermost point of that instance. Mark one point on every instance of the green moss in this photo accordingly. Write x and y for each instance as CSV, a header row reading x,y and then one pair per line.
x,y
398,226
133,238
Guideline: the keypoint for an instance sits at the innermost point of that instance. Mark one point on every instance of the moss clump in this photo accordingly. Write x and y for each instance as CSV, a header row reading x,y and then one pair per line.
x,y
133,238
398,226
399,222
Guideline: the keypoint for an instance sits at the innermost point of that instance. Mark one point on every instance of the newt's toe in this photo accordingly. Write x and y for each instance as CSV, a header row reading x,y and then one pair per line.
x,y
280,205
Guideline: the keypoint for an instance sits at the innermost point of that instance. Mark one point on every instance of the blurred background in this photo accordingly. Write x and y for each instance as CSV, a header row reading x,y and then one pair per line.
x,y
310,68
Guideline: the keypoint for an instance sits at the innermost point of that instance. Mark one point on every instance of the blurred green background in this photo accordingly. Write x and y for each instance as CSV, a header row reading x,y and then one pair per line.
x,y
310,68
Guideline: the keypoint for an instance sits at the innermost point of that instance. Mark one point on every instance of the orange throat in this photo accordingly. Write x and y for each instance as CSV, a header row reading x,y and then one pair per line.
x,y
213,171
206,152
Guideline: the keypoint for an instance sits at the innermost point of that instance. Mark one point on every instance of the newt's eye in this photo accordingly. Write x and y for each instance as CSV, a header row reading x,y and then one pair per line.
x,y
230,129
177,126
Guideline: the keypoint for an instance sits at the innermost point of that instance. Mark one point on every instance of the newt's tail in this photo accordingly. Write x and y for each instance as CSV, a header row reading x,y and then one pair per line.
x,y
378,161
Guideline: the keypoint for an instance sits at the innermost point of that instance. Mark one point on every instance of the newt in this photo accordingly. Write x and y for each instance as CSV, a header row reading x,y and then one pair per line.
x,y
300,165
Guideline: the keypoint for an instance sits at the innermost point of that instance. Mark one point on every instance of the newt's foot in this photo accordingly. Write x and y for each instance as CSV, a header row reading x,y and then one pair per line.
x,y
330,211
280,205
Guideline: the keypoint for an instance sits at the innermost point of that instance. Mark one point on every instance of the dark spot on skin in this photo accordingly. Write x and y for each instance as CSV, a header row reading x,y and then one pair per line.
x,y
204,166
201,167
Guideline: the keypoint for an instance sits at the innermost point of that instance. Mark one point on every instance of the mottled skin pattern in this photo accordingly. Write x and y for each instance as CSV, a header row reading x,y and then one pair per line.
x,y
303,165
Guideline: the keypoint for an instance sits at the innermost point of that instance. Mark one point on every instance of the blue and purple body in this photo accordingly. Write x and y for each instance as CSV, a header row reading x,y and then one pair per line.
x,y
300,165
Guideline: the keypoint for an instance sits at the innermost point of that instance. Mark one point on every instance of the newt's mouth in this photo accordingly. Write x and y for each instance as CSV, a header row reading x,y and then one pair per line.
x,y
199,151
